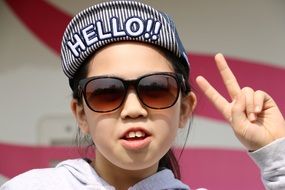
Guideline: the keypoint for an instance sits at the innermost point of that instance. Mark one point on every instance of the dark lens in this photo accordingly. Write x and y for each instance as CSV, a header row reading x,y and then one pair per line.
x,y
104,94
158,91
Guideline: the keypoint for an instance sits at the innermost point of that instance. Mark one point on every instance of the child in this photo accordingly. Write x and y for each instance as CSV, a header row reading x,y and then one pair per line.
x,y
129,73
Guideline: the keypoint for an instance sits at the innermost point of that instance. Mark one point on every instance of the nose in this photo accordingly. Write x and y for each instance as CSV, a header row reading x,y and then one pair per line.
x,y
132,107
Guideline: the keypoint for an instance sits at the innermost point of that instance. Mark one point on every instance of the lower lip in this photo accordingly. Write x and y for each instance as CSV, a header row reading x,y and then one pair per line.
x,y
135,144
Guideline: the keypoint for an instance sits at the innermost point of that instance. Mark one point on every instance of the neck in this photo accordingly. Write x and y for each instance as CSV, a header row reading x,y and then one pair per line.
x,y
118,177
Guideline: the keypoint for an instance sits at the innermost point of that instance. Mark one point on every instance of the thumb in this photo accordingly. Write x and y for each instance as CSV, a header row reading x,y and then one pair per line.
x,y
239,119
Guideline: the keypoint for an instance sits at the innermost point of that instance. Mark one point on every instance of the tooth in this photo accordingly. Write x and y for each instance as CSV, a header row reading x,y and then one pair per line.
x,y
132,134
140,134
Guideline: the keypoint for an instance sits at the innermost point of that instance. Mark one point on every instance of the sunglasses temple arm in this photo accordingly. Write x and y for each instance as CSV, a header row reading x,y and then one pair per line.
x,y
184,86
80,91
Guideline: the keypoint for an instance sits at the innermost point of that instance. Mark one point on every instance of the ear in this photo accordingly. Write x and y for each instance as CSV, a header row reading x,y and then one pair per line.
x,y
188,104
79,114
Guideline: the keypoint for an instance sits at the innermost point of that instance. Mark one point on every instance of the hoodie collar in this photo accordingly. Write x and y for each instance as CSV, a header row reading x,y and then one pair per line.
x,y
87,176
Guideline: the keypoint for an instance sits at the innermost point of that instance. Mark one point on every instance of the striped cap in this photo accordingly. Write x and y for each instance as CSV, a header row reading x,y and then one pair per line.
x,y
115,21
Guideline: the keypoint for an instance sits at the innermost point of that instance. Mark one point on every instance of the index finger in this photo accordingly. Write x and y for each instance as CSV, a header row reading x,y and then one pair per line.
x,y
214,96
228,77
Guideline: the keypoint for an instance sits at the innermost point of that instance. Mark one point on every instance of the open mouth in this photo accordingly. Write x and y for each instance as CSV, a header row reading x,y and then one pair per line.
x,y
135,135
135,139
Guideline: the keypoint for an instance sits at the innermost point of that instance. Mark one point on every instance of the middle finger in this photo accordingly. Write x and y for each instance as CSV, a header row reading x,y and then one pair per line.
x,y
228,77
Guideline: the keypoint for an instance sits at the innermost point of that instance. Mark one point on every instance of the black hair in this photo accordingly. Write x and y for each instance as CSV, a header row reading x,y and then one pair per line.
x,y
169,160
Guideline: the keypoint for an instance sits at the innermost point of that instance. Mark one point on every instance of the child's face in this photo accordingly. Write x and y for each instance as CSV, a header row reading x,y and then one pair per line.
x,y
129,60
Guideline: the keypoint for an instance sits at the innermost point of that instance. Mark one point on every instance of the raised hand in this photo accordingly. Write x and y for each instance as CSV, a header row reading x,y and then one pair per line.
x,y
253,115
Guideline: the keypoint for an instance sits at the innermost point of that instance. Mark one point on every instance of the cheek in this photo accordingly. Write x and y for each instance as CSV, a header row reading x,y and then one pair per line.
x,y
174,121
174,114
100,125
103,135
175,117
168,123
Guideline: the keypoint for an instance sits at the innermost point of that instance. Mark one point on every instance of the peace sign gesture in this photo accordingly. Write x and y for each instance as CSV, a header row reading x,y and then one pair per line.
x,y
253,115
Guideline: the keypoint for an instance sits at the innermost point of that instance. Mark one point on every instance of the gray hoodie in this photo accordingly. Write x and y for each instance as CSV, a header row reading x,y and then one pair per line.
x,y
78,174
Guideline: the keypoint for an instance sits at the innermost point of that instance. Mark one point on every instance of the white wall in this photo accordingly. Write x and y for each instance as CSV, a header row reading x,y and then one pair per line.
x,y
33,86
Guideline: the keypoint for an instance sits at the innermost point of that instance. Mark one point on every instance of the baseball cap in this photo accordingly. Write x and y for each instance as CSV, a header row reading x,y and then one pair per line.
x,y
115,21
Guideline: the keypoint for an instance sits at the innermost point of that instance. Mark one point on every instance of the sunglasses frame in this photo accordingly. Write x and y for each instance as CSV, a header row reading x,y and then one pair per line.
x,y
180,81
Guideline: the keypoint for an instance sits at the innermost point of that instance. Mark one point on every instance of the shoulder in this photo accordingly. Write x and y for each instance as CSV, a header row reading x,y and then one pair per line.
x,y
40,179
29,180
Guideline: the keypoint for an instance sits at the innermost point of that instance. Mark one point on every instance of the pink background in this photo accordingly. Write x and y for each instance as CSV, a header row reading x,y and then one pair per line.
x,y
212,168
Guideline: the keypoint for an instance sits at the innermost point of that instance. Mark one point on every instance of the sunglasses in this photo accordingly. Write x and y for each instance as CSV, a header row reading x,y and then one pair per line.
x,y
156,91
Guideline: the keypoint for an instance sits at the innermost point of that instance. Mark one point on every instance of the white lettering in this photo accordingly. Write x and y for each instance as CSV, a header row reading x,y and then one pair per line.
x,y
134,27
94,32
89,35
78,44
101,35
116,32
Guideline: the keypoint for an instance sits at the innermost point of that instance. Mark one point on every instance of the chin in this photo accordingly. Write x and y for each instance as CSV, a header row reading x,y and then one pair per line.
x,y
138,164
